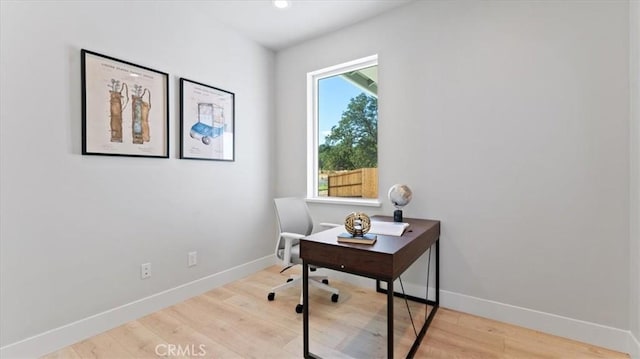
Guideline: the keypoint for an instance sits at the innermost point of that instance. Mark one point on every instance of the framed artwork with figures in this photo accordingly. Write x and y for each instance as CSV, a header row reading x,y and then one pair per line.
x,y
125,108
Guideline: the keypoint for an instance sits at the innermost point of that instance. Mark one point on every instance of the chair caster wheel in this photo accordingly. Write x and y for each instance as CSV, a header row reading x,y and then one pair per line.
x,y
325,281
289,280
334,298
271,296
299,308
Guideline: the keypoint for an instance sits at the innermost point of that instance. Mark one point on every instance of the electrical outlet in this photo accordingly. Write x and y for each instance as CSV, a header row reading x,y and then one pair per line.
x,y
145,270
193,258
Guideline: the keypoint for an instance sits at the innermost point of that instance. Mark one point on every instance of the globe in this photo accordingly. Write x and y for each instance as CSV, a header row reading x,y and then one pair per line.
x,y
400,195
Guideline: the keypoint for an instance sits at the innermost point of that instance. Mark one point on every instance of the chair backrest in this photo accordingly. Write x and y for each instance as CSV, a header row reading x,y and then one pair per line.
x,y
293,215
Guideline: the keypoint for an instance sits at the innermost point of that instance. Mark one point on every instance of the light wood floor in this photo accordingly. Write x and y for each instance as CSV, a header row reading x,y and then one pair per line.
x,y
237,321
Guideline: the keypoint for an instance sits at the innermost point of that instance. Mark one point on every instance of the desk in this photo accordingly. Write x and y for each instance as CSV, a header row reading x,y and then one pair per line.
x,y
383,261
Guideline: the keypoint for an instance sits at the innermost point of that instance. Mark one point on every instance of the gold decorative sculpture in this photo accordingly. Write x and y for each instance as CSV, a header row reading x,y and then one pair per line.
x,y
357,224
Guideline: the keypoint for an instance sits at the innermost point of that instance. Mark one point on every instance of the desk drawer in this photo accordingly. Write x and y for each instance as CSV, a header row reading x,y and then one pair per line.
x,y
348,259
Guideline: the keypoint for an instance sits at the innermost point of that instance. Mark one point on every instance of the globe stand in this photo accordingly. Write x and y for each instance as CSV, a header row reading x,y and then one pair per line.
x,y
397,215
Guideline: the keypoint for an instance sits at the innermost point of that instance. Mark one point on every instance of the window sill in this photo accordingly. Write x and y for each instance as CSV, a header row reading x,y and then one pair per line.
x,y
346,201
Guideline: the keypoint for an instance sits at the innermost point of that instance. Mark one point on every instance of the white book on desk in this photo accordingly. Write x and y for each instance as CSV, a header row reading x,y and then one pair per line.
x,y
388,228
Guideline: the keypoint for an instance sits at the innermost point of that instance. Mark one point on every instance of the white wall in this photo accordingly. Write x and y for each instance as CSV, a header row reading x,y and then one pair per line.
x,y
75,228
634,44
509,120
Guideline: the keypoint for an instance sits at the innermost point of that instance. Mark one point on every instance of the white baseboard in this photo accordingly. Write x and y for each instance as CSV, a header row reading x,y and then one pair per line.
x,y
71,333
587,332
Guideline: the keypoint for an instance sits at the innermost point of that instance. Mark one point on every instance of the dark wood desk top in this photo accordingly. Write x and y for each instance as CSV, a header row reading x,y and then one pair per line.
x,y
389,257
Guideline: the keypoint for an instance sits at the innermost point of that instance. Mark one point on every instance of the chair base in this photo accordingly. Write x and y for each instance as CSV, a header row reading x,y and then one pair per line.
x,y
314,280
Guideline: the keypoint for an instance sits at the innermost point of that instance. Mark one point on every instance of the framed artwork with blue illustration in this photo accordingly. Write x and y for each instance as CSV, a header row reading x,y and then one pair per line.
x,y
207,128
125,108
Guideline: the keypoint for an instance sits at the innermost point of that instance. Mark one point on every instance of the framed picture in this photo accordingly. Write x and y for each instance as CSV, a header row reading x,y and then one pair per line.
x,y
206,122
125,108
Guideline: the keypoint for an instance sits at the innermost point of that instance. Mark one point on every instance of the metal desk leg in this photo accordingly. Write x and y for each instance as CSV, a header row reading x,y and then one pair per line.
x,y
437,273
305,308
435,305
390,319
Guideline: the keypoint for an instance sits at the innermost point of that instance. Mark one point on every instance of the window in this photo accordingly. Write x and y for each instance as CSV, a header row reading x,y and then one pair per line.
x,y
342,153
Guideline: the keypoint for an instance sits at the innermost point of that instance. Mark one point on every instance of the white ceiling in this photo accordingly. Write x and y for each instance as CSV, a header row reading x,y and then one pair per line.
x,y
304,19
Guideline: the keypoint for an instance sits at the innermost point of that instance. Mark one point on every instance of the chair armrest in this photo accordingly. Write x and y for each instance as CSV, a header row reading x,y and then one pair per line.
x,y
290,236
330,225
288,243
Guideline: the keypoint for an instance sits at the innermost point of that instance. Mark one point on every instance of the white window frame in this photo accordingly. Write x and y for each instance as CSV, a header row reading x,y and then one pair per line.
x,y
312,131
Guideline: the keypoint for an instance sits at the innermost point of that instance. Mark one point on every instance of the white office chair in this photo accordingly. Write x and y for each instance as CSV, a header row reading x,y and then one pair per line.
x,y
295,223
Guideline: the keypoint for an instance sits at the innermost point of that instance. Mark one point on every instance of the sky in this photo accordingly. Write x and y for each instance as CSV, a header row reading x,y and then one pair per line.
x,y
335,94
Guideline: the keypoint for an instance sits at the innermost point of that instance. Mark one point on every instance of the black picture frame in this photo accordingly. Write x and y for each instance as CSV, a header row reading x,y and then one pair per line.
x,y
125,108
207,122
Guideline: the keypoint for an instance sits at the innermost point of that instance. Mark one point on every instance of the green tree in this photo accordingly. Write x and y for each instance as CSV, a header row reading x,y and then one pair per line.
x,y
353,142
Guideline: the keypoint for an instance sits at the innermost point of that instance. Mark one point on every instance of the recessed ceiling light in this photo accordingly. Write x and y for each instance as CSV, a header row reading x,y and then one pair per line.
x,y
281,4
